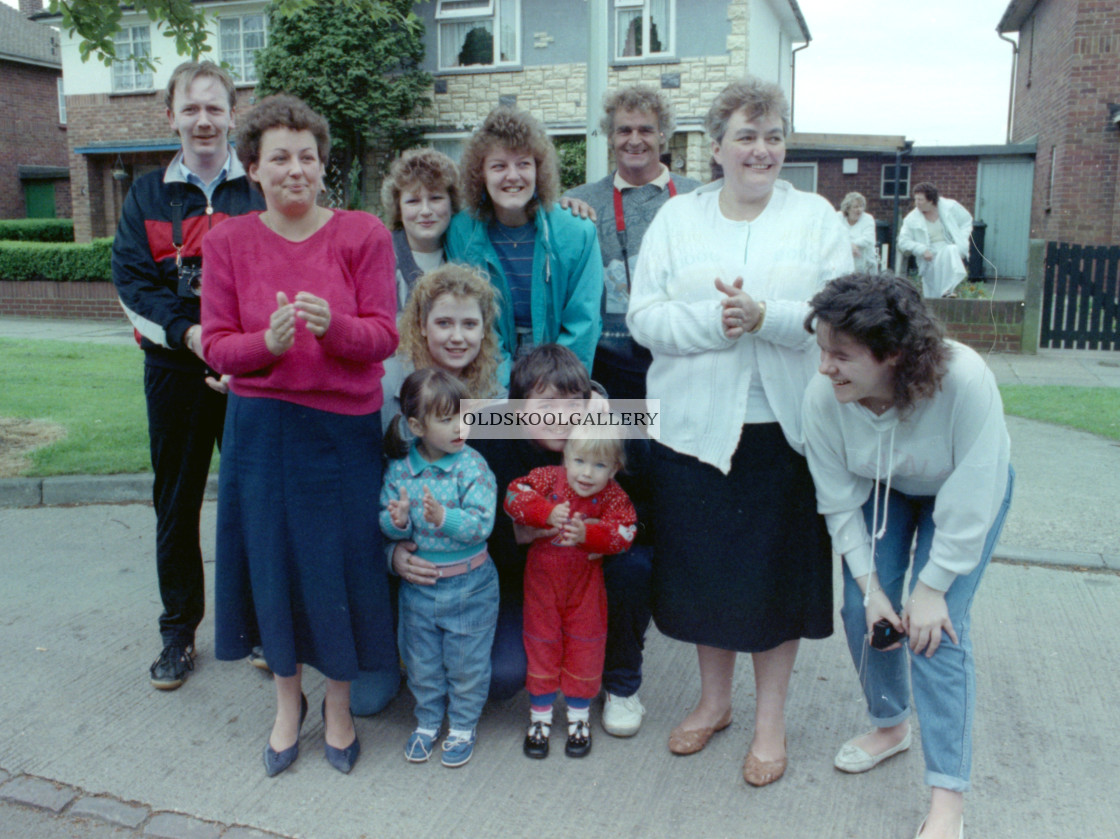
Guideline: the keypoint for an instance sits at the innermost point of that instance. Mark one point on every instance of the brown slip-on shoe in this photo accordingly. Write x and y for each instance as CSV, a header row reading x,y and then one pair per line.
x,y
759,773
689,741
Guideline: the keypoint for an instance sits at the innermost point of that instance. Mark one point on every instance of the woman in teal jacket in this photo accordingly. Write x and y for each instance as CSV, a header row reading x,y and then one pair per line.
x,y
544,262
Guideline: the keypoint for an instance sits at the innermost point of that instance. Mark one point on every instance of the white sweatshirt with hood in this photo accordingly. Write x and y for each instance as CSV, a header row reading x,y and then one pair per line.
x,y
952,445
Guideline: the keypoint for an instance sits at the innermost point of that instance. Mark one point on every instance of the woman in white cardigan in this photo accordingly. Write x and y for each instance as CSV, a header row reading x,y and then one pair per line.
x,y
861,230
937,232
905,437
719,295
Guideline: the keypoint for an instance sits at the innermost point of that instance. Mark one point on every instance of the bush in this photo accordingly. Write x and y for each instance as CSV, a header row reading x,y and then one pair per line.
x,y
37,230
64,262
572,155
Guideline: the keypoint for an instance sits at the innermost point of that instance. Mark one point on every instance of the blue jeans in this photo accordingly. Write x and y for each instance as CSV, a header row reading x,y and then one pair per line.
x,y
944,685
445,634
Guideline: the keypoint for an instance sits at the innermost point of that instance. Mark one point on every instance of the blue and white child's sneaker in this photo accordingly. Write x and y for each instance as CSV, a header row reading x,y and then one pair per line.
x,y
419,746
458,749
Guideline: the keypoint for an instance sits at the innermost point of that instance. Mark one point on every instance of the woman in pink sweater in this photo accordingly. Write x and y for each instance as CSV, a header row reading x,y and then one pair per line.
x,y
299,312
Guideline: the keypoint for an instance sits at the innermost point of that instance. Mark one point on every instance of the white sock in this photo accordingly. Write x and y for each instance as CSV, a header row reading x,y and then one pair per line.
x,y
428,732
460,734
578,715
541,716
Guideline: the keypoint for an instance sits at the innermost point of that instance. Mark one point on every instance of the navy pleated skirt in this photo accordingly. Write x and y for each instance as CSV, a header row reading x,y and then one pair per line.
x,y
743,561
299,552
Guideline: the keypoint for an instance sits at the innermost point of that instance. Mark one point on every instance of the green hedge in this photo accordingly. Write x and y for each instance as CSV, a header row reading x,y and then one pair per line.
x,y
64,262
37,230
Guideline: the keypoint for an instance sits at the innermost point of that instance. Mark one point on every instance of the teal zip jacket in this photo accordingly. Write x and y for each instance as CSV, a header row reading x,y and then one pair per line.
x,y
567,280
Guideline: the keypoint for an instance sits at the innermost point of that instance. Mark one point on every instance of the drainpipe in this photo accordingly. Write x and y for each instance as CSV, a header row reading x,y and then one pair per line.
x,y
793,80
1014,69
906,148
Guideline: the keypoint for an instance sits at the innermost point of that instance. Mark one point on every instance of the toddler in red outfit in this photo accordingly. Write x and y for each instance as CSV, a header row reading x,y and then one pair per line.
x,y
585,515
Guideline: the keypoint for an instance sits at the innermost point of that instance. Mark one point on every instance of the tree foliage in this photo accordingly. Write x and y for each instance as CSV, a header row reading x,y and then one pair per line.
x,y
96,22
361,72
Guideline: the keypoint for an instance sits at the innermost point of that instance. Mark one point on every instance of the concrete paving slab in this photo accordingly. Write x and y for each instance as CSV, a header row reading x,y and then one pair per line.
x,y
110,810
178,826
79,608
248,833
38,792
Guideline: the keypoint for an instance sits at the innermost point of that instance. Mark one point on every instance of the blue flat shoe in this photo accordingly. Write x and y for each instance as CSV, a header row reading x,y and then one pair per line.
x,y
276,762
341,759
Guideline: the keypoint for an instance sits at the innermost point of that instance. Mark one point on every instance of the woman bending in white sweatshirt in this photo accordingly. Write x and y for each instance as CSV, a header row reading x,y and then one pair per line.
x,y
906,442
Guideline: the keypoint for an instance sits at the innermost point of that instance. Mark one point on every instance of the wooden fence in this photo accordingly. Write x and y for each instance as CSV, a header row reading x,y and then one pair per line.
x,y
1081,297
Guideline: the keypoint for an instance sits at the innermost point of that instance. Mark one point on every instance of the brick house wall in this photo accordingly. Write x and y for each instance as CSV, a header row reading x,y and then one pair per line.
x,y
106,118
1066,76
30,133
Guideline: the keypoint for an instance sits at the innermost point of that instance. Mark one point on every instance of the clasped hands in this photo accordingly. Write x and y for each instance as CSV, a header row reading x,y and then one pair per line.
x,y
741,312
281,332
923,620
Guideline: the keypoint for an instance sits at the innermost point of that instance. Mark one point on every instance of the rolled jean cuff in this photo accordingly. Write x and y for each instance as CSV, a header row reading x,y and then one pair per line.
x,y
936,779
890,722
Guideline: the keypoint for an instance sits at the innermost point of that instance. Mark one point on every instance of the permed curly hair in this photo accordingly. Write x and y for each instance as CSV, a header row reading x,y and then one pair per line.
x,y
640,98
510,130
281,111
928,190
750,94
887,315
418,167
851,200
481,375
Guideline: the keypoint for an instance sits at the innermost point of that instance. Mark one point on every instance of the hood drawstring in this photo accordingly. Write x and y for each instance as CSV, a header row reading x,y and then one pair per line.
x,y
878,532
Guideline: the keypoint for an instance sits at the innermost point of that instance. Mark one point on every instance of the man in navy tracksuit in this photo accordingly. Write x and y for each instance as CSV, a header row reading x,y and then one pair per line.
x,y
157,271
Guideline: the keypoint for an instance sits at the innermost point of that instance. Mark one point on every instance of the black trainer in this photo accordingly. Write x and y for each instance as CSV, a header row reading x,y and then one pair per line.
x,y
171,668
579,739
536,741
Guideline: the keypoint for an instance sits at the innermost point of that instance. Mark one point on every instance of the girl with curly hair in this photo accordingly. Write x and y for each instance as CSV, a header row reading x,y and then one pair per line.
x,y
543,261
906,442
448,323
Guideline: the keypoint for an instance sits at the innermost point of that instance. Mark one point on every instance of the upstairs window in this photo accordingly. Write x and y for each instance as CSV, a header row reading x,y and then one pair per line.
x,y
478,33
127,74
886,189
643,28
239,38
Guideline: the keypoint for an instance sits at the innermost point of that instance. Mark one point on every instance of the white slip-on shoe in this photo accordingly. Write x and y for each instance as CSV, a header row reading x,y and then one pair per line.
x,y
851,758
622,715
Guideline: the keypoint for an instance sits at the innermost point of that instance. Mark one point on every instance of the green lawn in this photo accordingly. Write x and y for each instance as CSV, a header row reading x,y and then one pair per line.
x,y
97,393
1093,409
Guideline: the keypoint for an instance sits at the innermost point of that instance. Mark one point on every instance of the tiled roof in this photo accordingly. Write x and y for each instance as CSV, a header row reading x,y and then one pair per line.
x,y
25,41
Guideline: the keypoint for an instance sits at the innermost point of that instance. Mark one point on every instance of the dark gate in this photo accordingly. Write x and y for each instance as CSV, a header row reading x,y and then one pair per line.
x,y
1081,297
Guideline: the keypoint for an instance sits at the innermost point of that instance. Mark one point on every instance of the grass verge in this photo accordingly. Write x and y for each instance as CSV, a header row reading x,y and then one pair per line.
x,y
95,392
1092,409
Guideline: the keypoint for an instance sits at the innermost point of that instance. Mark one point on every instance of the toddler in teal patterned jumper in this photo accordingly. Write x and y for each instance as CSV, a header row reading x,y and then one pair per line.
x,y
439,493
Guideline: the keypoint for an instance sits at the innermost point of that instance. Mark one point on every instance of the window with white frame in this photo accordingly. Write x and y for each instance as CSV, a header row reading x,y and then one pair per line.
x,y
61,103
643,28
886,189
239,39
132,41
802,176
478,33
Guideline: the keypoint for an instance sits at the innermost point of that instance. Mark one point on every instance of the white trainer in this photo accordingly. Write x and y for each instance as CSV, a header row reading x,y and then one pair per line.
x,y
622,715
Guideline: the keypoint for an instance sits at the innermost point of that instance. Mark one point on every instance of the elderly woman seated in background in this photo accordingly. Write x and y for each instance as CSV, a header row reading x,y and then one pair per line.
x,y
299,310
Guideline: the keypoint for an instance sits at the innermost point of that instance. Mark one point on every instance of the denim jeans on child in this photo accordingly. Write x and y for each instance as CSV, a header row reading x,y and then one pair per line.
x,y
445,634
944,685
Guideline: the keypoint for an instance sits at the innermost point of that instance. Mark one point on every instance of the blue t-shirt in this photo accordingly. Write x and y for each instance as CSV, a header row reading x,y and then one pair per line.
x,y
514,246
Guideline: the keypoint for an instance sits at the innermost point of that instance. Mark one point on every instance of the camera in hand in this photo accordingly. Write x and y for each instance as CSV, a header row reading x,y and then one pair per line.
x,y
190,276
884,635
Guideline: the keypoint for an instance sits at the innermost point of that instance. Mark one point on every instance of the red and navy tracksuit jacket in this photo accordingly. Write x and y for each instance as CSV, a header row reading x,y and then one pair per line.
x,y
144,267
